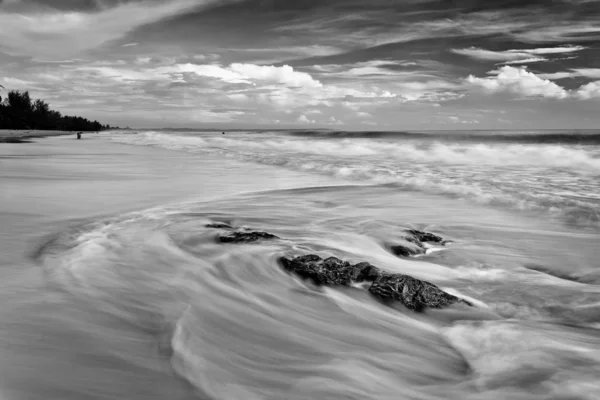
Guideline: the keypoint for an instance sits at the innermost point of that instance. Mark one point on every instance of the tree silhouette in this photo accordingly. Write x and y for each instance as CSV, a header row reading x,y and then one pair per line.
x,y
18,111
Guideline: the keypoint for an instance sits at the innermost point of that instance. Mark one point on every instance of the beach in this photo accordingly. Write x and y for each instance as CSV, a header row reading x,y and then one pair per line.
x,y
19,136
114,286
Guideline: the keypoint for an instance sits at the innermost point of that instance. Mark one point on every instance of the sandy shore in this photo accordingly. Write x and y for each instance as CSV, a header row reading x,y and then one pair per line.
x,y
25,136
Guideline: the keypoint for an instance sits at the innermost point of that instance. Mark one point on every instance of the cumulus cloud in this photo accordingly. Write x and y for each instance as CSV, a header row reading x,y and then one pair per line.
x,y
334,121
303,119
519,81
249,74
284,75
589,91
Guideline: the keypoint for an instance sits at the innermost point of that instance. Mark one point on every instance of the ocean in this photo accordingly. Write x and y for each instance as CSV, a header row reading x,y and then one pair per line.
x,y
113,286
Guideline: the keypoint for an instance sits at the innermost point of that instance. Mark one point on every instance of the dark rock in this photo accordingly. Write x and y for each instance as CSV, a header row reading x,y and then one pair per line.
x,y
246,237
406,251
331,271
415,294
425,236
219,225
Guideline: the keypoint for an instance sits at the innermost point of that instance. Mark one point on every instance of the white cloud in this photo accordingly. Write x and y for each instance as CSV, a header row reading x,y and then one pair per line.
x,y
363,114
16,82
304,120
589,91
526,61
593,73
513,56
54,34
285,75
130,44
334,121
519,81
209,70
238,97
554,50
489,55
457,120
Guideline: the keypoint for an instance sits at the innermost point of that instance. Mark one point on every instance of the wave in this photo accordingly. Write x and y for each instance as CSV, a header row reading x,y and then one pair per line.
x,y
559,180
589,137
576,158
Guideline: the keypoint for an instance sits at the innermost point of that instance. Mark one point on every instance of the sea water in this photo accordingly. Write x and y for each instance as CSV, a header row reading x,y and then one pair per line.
x,y
136,299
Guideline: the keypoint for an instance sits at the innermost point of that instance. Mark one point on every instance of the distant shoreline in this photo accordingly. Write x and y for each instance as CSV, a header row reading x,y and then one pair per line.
x,y
25,136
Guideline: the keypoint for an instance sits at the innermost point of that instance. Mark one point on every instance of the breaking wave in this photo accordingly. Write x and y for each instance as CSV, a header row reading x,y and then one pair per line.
x,y
561,180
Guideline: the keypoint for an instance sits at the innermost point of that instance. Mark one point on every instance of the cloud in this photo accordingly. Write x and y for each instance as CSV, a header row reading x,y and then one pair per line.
x,y
334,121
55,34
593,73
284,75
526,61
589,91
513,56
130,44
303,119
457,120
518,81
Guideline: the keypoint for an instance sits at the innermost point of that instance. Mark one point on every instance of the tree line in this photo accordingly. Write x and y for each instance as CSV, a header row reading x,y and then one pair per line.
x,y
19,111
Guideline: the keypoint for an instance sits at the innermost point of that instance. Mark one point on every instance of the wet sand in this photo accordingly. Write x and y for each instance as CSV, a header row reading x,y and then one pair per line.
x,y
51,344
26,136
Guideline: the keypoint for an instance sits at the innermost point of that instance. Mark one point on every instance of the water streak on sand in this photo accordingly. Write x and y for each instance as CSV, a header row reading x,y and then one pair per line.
x,y
137,299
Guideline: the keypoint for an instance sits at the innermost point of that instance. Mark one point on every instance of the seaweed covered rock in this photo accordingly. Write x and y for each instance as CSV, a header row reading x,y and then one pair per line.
x,y
330,271
415,294
245,237
425,236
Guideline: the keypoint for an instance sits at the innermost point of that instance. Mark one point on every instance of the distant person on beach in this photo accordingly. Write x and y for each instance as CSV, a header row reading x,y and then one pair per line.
x,y
223,133
78,135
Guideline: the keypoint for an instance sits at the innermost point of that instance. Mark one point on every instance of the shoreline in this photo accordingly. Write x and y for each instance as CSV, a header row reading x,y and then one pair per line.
x,y
26,136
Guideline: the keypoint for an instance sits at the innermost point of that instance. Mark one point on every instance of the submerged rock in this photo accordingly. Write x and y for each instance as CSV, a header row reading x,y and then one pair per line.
x,y
406,251
425,236
245,237
331,271
415,294
417,238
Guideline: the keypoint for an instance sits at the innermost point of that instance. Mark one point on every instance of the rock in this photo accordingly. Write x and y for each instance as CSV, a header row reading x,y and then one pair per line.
x,y
331,271
413,293
219,225
245,237
425,236
405,251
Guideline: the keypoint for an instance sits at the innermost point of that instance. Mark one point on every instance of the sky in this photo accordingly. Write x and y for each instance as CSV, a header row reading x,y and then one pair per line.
x,y
309,64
